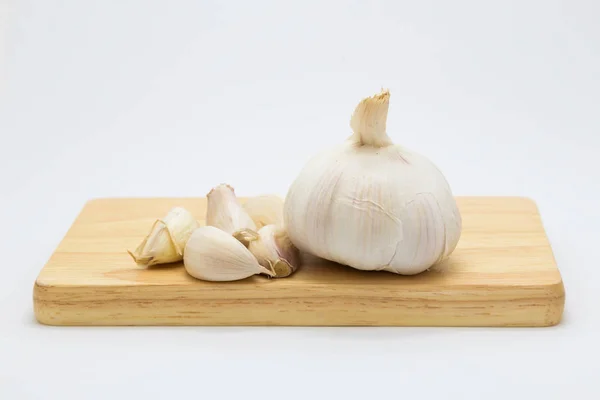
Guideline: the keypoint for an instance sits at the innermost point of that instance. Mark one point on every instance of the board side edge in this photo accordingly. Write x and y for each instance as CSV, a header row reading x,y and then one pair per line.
x,y
556,302
50,308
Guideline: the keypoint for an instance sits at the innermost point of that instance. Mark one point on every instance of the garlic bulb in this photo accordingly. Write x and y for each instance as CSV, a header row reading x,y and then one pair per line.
x,y
225,212
273,249
265,210
167,238
214,255
373,205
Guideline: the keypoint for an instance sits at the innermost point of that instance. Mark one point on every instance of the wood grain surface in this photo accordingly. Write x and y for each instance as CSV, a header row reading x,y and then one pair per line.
x,y
502,273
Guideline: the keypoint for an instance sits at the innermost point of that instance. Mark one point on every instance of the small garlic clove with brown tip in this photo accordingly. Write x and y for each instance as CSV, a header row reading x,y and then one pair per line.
x,y
225,212
167,239
265,210
274,250
214,255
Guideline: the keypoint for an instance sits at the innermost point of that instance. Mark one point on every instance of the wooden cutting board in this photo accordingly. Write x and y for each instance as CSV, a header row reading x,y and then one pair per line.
x,y
502,273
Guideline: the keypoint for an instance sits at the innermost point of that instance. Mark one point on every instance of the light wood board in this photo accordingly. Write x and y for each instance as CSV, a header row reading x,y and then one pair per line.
x,y
502,273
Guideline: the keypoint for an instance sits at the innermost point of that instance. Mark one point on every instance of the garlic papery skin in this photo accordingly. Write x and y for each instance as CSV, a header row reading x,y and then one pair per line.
x,y
265,210
275,251
373,205
224,211
167,238
213,255
245,236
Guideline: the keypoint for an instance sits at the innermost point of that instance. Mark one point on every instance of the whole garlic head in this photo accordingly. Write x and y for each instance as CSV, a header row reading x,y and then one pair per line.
x,y
373,205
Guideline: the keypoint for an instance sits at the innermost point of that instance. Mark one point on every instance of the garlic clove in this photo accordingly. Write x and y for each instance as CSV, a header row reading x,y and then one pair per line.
x,y
265,210
225,212
275,251
214,255
167,238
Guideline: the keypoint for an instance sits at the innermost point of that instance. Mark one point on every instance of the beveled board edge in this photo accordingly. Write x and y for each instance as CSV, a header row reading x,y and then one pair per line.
x,y
495,305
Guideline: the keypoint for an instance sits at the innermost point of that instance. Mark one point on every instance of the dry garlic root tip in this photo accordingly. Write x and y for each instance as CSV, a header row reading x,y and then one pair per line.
x,y
275,251
265,210
225,212
167,238
245,236
214,255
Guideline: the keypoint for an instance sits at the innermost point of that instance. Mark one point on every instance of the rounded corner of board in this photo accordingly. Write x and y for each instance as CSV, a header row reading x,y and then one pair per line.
x,y
43,319
94,200
557,289
555,308
41,312
41,303
530,202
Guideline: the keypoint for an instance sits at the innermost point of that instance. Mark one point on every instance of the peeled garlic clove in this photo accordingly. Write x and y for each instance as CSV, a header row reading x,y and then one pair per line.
x,y
265,210
275,251
371,204
214,255
167,238
225,212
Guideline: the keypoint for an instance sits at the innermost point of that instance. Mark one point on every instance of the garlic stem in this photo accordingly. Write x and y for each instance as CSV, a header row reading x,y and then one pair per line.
x,y
369,121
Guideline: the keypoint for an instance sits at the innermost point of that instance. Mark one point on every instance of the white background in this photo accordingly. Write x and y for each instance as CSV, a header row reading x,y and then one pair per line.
x,y
157,98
